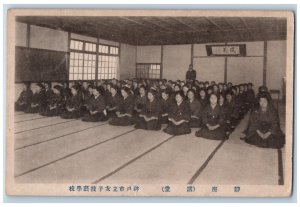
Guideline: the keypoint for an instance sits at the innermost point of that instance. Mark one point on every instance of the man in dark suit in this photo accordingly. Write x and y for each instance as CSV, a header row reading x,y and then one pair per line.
x,y
190,74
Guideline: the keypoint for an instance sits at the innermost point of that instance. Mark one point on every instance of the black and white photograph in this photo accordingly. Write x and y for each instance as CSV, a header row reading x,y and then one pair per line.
x,y
150,102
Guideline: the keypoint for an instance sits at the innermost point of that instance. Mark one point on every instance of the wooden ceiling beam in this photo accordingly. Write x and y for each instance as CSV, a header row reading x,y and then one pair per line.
x,y
136,22
151,22
213,23
247,28
185,24
231,25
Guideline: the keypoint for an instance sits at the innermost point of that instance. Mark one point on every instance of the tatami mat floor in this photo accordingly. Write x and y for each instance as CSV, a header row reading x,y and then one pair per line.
x,y
55,150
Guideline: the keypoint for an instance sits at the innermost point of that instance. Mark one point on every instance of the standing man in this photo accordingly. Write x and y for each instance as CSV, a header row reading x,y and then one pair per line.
x,y
190,74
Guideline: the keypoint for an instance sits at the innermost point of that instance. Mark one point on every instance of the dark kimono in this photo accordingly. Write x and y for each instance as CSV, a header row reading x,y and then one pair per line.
x,y
96,104
212,117
86,97
73,102
265,122
151,109
136,91
125,107
140,102
66,93
195,109
48,96
243,104
165,109
231,115
39,100
250,98
112,104
57,102
178,113
24,100
204,102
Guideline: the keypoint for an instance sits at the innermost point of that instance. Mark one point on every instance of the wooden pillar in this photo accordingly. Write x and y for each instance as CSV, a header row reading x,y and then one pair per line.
x,y
265,63
192,54
225,70
97,59
136,64
28,36
68,58
161,60
119,63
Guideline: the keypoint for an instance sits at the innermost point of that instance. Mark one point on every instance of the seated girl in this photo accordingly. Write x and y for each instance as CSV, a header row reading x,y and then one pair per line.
x,y
124,113
87,95
38,101
140,101
203,97
264,128
56,103
179,116
231,113
24,99
113,101
48,92
195,109
213,121
166,104
150,115
73,104
96,107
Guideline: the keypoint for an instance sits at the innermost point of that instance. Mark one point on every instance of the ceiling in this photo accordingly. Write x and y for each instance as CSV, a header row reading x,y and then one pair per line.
x,y
158,30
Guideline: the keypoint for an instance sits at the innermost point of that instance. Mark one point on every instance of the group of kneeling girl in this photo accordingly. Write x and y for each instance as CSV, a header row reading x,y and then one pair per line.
x,y
214,109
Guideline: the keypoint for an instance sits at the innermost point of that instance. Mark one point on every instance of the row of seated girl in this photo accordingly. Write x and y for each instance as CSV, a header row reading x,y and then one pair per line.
x,y
214,109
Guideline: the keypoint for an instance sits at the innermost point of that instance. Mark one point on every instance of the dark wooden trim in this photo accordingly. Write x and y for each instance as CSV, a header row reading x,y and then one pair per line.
x,y
28,36
161,61
225,70
265,63
119,63
68,56
227,56
280,168
97,59
84,40
33,48
148,63
136,56
225,67
192,54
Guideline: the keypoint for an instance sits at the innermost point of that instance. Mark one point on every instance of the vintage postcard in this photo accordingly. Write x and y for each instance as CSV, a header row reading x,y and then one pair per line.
x,y
149,102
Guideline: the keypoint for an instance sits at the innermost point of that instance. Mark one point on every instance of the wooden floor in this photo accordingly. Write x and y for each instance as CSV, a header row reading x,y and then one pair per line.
x,y
55,150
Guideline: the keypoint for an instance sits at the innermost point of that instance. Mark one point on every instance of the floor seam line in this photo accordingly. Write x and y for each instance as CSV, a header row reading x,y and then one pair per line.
x,y
45,126
131,161
204,165
61,136
74,153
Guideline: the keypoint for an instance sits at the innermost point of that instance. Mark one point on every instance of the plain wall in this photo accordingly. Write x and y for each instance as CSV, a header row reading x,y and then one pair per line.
x,y
244,70
276,65
50,39
209,68
176,60
21,31
148,54
127,61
